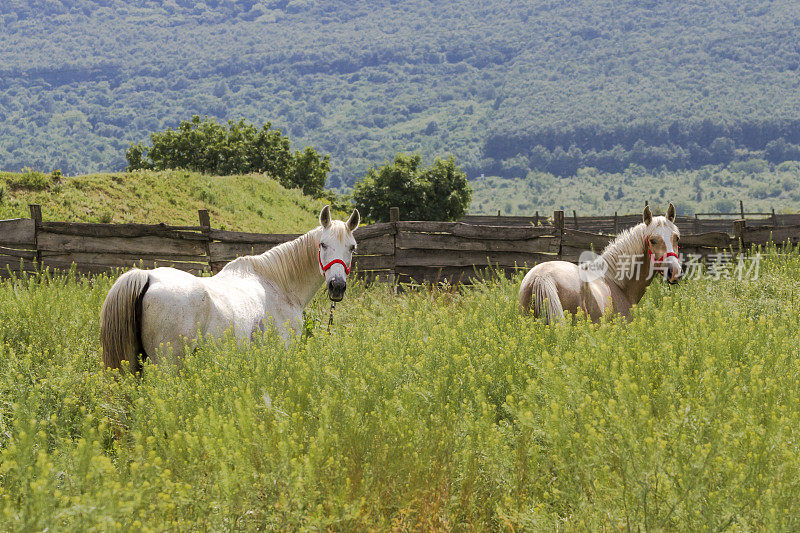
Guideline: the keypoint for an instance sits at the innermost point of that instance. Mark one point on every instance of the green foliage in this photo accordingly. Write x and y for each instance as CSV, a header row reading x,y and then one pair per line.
x,y
440,192
461,77
202,145
308,172
426,410
28,179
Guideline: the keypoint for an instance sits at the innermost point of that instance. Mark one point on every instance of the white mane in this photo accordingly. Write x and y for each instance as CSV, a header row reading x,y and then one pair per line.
x,y
628,245
285,263
288,263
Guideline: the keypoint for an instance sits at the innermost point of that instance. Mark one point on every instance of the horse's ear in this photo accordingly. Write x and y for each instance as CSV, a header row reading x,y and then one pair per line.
x,y
647,216
354,220
671,212
325,217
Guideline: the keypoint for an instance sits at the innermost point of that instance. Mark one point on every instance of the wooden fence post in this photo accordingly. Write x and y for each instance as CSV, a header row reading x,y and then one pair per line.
x,y
616,224
205,225
696,224
575,218
774,217
536,219
738,231
36,215
558,223
741,208
394,218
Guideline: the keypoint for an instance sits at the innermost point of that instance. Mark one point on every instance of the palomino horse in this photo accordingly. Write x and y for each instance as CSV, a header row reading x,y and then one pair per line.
x,y
148,310
614,281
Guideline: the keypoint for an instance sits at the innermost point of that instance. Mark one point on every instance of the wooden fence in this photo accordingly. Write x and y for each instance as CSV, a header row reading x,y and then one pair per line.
x,y
396,250
613,224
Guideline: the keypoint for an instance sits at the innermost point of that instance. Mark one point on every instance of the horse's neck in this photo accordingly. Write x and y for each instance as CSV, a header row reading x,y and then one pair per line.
x,y
293,269
632,282
634,286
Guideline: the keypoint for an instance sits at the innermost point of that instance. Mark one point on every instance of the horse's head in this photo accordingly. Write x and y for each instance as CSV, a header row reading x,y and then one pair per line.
x,y
662,237
336,248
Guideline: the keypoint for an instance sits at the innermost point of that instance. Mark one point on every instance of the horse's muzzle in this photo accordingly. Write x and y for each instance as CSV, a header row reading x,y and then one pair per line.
x,y
673,279
336,289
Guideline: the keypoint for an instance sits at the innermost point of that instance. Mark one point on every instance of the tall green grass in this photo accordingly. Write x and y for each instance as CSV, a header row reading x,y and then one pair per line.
x,y
426,410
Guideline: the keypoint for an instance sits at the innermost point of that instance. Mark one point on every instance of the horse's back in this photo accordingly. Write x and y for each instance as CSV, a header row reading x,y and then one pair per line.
x,y
175,305
562,276
178,305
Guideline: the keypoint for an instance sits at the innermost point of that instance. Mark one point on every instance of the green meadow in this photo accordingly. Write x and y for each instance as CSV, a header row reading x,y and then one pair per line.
x,y
431,409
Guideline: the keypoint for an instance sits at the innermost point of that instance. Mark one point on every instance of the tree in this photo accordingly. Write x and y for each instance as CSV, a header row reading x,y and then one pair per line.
x,y
440,192
309,172
203,145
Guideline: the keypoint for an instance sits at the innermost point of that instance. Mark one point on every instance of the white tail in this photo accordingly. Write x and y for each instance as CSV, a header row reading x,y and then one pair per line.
x,y
546,302
121,320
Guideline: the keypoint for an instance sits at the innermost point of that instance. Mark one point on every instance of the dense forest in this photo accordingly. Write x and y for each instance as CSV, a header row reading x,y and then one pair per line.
x,y
505,87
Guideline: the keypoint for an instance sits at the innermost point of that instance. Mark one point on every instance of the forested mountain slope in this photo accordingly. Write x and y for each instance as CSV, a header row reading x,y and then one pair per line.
x,y
506,87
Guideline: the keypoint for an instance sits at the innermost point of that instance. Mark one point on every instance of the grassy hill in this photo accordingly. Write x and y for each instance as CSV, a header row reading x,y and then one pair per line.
x,y
506,87
245,203
711,189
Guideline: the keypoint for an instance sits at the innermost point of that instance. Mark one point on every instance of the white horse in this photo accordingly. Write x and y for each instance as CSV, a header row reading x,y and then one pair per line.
x,y
615,281
147,311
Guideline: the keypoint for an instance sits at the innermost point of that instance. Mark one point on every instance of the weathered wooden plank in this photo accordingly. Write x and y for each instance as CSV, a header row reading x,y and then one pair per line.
x,y
489,220
442,241
584,240
709,240
787,220
87,229
19,231
467,258
373,262
379,245
252,238
121,260
227,251
94,268
59,242
475,232
374,230
776,234
16,264
570,254
453,275
12,252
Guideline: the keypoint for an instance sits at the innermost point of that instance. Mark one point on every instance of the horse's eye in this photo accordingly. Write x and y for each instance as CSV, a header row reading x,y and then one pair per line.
x,y
324,246
352,248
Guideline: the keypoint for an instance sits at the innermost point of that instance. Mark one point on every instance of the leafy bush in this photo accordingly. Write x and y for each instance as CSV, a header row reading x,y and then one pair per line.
x,y
28,179
203,145
440,192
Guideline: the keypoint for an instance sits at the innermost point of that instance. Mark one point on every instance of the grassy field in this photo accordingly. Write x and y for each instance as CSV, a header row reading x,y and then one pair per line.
x,y
712,189
427,410
245,203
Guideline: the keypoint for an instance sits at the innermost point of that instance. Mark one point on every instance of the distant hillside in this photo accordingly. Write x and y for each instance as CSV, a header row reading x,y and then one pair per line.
x,y
710,189
245,203
505,86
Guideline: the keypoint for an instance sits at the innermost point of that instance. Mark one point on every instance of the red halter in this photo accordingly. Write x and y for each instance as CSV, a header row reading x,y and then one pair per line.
x,y
329,265
653,257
